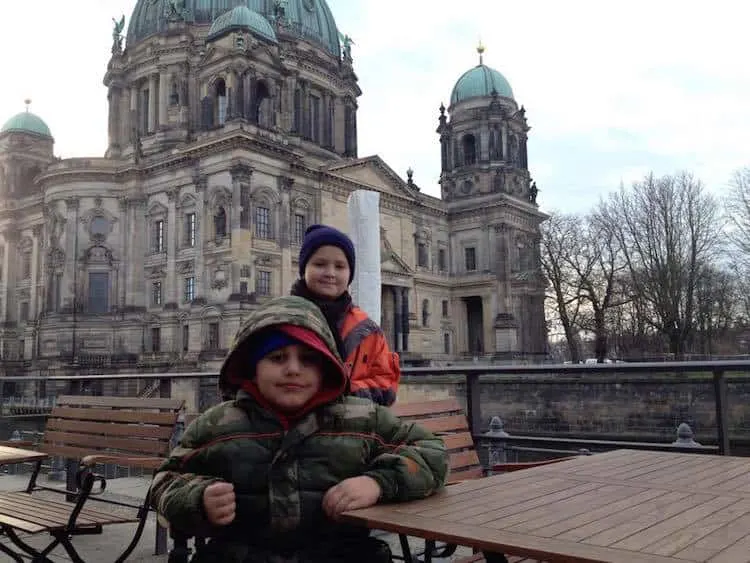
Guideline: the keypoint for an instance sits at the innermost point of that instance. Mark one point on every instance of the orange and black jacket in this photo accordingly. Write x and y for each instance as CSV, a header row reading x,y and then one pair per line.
x,y
374,370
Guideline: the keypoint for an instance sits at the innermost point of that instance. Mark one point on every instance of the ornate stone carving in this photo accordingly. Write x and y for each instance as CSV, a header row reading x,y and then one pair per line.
x,y
186,267
241,172
72,203
286,184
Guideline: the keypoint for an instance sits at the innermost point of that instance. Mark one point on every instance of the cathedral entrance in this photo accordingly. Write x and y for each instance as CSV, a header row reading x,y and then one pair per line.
x,y
474,325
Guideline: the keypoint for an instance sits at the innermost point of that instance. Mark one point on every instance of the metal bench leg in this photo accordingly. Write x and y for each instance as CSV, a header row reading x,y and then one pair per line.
x,y
37,556
12,554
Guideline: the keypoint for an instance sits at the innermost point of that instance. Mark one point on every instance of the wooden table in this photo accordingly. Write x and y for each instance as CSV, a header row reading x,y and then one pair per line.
x,y
624,506
17,455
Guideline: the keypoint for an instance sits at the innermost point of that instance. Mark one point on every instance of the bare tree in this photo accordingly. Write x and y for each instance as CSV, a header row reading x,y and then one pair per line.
x,y
737,209
599,265
560,241
669,230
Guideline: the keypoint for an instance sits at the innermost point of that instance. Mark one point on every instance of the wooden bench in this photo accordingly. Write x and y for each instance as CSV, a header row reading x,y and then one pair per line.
x,y
446,418
90,431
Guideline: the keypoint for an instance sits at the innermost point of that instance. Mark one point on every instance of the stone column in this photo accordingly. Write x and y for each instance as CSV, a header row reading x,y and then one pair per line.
x,y
163,97
201,192
133,113
286,185
125,259
137,248
170,291
405,319
505,141
364,230
35,272
71,251
9,268
115,97
152,101
398,324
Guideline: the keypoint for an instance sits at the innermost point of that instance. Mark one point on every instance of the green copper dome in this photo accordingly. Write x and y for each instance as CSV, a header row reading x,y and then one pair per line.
x,y
27,122
310,20
480,81
241,17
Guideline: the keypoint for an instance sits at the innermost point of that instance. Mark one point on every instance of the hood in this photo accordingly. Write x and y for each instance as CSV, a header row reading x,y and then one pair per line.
x,y
288,310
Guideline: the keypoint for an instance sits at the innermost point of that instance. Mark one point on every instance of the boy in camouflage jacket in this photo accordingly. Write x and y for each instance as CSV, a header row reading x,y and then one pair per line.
x,y
266,476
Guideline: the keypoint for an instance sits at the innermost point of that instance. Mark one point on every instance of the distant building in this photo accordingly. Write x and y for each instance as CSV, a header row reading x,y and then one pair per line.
x,y
229,133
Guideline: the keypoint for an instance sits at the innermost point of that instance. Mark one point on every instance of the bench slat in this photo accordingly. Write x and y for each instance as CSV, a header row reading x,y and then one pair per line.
x,y
103,442
72,452
22,511
441,406
117,429
453,423
119,402
458,441
104,415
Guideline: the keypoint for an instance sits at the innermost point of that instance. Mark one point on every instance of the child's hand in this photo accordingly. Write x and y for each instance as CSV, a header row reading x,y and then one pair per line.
x,y
355,492
218,500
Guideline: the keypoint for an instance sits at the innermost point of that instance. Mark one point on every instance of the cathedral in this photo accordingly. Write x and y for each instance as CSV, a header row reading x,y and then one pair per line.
x,y
232,127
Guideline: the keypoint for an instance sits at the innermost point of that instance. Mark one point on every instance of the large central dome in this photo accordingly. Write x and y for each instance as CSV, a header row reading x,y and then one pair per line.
x,y
310,19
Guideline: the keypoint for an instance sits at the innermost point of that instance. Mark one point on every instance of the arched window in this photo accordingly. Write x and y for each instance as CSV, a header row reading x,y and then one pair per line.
x,y
220,222
426,313
469,146
220,91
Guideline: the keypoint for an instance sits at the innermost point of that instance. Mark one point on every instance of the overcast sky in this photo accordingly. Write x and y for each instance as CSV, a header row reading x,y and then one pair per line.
x,y
612,89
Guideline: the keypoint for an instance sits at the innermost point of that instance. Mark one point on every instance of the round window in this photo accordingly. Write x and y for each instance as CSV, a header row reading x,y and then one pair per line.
x,y
99,226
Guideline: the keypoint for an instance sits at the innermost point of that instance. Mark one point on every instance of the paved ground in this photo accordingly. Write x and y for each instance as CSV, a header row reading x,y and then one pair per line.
x,y
106,547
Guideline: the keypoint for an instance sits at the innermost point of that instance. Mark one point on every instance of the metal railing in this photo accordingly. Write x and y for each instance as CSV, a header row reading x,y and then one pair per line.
x,y
467,383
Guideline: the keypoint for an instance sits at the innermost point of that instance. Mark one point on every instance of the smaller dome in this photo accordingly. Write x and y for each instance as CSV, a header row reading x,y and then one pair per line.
x,y
480,81
241,17
26,122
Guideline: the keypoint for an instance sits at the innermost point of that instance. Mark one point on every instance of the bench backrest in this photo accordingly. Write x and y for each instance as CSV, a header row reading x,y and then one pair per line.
x,y
79,426
446,418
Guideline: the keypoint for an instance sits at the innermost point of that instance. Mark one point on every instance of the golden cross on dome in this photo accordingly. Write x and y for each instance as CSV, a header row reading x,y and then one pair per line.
x,y
480,50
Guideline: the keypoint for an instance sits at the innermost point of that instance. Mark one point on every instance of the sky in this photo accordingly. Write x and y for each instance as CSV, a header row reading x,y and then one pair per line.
x,y
612,89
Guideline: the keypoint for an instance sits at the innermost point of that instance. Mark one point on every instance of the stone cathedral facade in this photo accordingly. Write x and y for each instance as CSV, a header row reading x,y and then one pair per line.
x,y
232,127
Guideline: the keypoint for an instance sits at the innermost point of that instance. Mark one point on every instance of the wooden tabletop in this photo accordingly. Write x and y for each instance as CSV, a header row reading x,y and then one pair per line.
x,y
624,506
17,455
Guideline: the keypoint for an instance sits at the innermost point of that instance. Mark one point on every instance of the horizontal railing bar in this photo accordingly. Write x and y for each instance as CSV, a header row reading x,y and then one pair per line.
x,y
544,440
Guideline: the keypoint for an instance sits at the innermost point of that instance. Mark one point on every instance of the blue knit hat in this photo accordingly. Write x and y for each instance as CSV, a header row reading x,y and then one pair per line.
x,y
323,235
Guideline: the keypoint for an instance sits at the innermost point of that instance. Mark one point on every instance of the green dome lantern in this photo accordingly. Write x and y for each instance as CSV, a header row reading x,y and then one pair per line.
x,y
26,122
311,20
480,82
244,18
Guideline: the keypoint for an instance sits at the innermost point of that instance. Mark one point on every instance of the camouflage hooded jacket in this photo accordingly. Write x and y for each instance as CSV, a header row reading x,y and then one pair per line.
x,y
280,474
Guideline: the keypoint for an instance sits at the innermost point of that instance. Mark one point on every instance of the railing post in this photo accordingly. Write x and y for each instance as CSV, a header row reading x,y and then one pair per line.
x,y
473,405
722,412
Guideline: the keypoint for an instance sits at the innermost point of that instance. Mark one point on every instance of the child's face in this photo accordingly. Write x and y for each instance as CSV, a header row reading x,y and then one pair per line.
x,y
289,377
327,272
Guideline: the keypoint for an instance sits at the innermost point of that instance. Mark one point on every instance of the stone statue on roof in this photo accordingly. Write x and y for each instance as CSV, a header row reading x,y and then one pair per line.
x,y
346,42
117,34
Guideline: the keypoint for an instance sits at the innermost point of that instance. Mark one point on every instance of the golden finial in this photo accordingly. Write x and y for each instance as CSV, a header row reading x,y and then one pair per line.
x,y
480,50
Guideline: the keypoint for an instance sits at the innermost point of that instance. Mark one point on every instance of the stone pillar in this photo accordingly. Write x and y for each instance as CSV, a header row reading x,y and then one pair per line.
x,y
163,97
405,319
201,192
125,259
10,265
152,101
115,101
35,273
137,245
71,251
171,294
286,185
397,318
505,141
133,113
364,229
